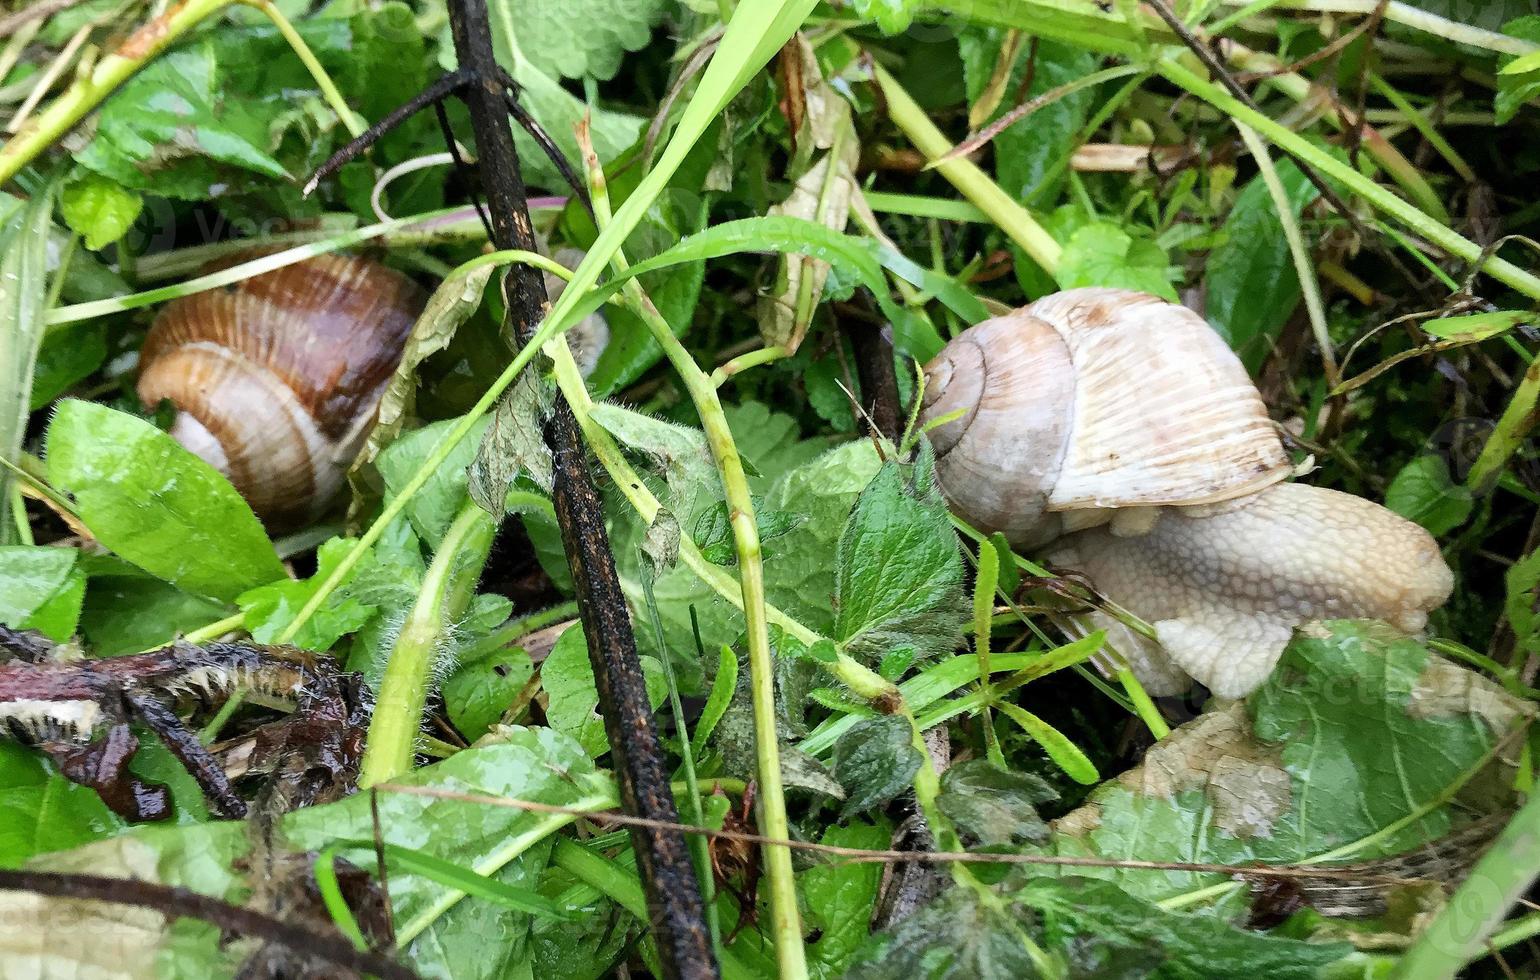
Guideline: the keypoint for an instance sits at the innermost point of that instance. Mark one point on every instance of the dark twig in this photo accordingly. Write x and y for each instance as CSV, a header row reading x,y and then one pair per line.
x,y
437,90
222,797
872,342
673,895
181,903
461,167
544,141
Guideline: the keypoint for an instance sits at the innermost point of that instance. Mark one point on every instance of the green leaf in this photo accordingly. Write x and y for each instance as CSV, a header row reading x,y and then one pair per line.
x,y
99,209
480,690
69,353
612,27
1103,254
433,507
875,761
994,805
463,879
127,610
956,937
1083,915
770,441
33,577
1252,285
713,531
270,608
1028,153
1520,605
898,571
1476,326
1357,729
513,444
1424,492
60,614
722,688
530,764
892,16
573,708
1064,753
41,811
234,113
156,504
544,97
1518,77
171,130
840,897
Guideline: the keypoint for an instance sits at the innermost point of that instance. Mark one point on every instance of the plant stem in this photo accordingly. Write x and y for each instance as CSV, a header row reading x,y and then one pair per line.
x,y
663,859
974,184
329,92
1382,199
1499,879
87,92
445,592
1410,16
741,363
1508,437
785,922
1304,269
1424,126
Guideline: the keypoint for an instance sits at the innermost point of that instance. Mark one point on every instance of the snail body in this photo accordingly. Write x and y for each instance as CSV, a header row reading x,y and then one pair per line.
x,y
1122,430
276,378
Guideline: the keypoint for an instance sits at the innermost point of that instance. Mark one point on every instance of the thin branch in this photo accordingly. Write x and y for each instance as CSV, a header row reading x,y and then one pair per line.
x,y
174,902
861,855
543,140
437,90
663,859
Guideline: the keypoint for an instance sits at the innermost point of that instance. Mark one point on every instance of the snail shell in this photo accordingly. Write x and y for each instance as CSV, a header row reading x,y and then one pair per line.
x,y
1089,401
276,378
1098,407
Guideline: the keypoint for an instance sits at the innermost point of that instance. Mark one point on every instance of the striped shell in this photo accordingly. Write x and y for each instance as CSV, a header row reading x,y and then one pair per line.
x,y
276,378
1092,401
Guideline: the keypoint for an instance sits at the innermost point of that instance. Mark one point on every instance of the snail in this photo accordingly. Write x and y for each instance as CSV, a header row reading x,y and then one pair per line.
x,y
276,378
1118,432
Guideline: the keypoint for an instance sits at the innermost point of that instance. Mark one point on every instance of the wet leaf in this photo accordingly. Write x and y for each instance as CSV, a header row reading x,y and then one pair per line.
x,y
994,805
513,444
1357,729
98,209
875,761
156,504
573,708
1103,254
270,608
840,897
898,573
1425,493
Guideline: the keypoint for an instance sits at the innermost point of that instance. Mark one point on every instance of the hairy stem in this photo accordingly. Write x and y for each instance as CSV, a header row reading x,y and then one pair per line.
x,y
785,922
1498,880
445,592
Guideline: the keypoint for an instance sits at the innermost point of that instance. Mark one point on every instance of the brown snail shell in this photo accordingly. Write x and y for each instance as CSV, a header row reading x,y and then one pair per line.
x,y
1125,426
1091,401
276,378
